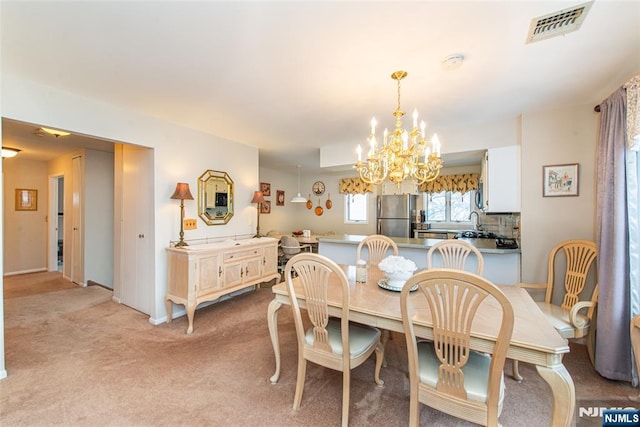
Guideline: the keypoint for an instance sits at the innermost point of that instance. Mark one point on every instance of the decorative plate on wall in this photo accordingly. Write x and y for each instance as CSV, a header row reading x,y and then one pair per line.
x,y
318,188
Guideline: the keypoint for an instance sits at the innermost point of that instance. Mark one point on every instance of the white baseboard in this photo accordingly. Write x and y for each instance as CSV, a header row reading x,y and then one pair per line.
x,y
33,270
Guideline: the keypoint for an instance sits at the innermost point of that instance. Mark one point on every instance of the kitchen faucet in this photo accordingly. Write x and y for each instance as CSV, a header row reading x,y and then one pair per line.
x,y
476,225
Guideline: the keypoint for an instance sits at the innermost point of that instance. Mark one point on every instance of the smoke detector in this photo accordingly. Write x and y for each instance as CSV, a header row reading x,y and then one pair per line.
x,y
452,62
558,23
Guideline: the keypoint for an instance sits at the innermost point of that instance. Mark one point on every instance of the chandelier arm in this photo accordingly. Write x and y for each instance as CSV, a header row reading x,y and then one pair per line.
x,y
399,157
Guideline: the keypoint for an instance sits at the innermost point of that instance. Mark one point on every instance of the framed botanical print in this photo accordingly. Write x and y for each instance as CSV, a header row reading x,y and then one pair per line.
x,y
26,199
265,207
560,180
279,197
265,187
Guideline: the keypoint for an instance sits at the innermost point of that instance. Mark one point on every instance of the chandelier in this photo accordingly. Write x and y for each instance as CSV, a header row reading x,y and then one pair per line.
x,y
403,154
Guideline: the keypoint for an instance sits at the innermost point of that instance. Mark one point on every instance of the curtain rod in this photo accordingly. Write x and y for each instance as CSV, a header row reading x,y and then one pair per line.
x,y
597,108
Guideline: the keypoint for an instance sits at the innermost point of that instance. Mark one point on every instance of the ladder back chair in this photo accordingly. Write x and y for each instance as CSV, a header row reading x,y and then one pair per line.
x,y
333,343
445,373
454,255
580,256
635,343
378,246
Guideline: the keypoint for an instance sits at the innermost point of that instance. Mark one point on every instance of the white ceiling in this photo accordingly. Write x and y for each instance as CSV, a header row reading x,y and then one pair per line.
x,y
292,76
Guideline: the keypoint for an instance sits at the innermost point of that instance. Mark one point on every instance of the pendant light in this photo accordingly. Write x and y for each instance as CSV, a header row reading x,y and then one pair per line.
x,y
299,198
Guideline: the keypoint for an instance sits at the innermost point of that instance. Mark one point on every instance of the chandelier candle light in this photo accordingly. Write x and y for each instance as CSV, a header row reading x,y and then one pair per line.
x,y
403,154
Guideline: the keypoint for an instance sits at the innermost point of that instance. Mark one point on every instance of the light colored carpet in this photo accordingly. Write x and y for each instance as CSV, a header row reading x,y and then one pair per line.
x,y
76,358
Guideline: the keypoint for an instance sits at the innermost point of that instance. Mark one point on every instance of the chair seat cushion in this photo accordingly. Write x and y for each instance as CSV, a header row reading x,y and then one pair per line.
x,y
476,371
559,318
361,337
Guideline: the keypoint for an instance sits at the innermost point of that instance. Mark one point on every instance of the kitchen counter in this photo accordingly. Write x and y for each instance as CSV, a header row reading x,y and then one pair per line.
x,y
483,245
501,266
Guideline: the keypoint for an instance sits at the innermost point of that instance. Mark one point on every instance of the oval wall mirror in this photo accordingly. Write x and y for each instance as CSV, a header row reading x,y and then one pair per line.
x,y
215,197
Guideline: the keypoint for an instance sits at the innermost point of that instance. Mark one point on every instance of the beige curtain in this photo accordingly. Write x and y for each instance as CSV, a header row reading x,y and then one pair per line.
x,y
461,183
355,186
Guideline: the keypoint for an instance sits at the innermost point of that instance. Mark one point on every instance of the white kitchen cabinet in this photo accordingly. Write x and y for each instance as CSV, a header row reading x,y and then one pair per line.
x,y
202,273
501,180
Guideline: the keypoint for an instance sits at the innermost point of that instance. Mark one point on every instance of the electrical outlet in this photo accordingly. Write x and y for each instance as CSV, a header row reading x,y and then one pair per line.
x,y
190,224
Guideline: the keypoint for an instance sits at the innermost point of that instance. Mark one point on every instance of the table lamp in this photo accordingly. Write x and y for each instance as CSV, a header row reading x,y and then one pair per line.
x,y
182,193
258,197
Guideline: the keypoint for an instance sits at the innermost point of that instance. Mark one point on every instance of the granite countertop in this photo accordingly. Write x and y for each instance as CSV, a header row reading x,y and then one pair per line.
x,y
483,245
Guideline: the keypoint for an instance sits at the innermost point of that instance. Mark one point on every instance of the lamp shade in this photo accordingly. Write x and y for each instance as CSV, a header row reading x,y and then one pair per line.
x,y
258,197
182,192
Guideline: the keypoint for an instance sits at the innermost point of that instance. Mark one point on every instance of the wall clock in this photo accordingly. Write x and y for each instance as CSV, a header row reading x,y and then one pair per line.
x,y
318,188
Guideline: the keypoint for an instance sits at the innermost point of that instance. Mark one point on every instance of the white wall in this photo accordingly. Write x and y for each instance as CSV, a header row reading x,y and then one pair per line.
x,y
296,216
25,232
554,137
180,155
454,140
98,218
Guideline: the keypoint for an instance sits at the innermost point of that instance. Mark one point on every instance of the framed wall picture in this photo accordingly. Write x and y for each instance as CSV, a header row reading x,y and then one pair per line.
x,y
265,187
26,199
279,197
265,207
560,180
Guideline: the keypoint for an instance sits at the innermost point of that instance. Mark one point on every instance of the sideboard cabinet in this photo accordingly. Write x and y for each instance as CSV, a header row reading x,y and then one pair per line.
x,y
202,273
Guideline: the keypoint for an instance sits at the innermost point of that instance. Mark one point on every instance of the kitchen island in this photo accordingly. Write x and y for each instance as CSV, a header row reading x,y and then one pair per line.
x,y
501,266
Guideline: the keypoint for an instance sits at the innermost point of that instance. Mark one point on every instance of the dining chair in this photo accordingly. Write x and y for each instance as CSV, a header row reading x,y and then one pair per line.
x,y
635,343
454,255
445,373
290,247
330,342
579,257
378,246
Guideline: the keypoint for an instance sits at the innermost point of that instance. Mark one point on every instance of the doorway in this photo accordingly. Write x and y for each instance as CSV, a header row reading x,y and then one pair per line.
x,y
56,223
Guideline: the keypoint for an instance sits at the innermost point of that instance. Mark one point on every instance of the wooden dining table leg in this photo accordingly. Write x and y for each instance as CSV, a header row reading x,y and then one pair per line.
x,y
563,391
272,322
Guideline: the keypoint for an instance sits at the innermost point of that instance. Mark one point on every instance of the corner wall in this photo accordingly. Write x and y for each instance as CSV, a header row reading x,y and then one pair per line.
x,y
556,137
25,232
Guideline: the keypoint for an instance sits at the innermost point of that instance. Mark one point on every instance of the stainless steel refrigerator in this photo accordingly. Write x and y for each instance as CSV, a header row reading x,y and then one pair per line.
x,y
395,215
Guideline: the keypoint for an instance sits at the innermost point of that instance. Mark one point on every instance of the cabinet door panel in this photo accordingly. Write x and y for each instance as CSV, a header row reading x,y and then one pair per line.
x,y
209,274
503,179
233,274
270,260
252,269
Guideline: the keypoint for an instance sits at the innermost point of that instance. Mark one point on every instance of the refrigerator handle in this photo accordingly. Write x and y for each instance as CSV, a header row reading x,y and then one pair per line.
x,y
378,204
379,227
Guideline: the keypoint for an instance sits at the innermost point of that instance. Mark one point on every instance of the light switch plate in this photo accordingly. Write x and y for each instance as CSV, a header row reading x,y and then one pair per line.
x,y
190,224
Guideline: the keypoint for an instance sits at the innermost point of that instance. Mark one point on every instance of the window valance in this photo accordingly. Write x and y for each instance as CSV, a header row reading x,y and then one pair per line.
x,y
633,113
460,183
355,186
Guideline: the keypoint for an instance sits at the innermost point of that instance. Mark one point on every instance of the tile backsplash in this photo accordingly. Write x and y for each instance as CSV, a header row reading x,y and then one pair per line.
x,y
506,225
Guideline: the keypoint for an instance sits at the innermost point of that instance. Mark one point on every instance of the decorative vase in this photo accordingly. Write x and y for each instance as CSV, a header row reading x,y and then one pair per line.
x,y
397,279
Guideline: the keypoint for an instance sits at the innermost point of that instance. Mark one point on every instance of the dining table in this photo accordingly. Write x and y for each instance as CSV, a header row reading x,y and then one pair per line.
x,y
534,340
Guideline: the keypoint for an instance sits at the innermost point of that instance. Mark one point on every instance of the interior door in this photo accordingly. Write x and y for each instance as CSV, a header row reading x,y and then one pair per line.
x,y
134,281
77,223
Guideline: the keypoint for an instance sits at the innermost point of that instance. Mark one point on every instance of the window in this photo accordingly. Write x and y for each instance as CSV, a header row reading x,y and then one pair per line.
x,y
355,208
448,206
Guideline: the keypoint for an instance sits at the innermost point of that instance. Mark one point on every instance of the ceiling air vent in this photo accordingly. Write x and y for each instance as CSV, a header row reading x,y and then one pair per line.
x,y
558,23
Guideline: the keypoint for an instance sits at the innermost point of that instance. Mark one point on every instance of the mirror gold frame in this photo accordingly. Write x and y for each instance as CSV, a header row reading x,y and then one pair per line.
x,y
215,197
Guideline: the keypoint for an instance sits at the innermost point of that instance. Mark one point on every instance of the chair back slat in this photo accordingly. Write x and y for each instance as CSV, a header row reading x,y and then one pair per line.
x,y
315,278
453,305
454,255
579,256
378,247
453,299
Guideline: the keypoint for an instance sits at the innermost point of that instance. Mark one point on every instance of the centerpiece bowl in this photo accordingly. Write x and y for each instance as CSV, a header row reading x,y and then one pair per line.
x,y
397,270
